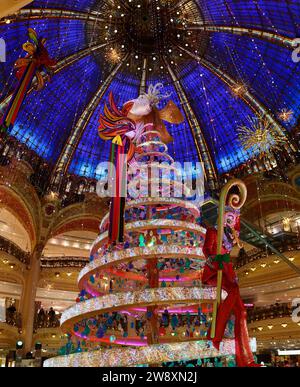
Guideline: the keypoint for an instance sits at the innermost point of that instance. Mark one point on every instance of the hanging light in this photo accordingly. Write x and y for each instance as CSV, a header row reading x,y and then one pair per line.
x,y
285,115
259,136
239,89
286,224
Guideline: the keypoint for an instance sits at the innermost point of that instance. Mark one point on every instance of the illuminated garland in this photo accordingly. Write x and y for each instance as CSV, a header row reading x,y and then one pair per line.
x,y
146,252
143,355
152,224
144,297
149,200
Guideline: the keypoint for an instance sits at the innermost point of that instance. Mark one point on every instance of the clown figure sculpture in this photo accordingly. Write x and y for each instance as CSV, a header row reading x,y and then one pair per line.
x,y
233,302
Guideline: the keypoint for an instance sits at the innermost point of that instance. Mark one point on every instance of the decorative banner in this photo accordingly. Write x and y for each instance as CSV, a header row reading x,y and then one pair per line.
x,y
36,61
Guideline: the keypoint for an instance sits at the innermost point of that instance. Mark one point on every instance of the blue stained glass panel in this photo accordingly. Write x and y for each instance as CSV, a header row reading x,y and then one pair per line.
x,y
79,5
268,15
266,69
219,113
92,149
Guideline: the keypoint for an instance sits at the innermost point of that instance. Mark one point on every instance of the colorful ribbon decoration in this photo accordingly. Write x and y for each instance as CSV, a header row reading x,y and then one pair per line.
x,y
118,158
221,259
36,61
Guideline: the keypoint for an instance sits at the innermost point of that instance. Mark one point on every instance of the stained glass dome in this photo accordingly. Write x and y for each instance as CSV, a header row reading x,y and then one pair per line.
x,y
222,61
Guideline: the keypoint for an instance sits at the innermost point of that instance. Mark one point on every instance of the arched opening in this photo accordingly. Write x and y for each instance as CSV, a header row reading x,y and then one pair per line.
x,y
12,230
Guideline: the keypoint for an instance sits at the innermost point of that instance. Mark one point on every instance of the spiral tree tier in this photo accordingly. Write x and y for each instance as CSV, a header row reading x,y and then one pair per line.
x,y
142,302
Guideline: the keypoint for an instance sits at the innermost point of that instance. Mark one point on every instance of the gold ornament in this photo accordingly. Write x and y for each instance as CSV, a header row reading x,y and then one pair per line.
x,y
286,224
260,136
285,115
239,89
113,55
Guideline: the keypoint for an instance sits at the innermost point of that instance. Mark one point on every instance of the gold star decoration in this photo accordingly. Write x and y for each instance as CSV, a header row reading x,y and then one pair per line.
x,y
113,55
239,89
260,135
285,115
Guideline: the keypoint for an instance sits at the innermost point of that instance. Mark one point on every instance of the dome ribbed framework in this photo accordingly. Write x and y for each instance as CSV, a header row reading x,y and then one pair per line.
x,y
223,61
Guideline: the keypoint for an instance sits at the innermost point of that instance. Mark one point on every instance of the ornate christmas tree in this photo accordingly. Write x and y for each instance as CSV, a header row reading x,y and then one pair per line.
x,y
141,299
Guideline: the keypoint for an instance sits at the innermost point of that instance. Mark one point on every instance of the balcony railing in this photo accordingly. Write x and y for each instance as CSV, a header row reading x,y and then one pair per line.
x,y
71,188
273,311
56,262
275,167
285,244
63,262
12,249
46,321
14,319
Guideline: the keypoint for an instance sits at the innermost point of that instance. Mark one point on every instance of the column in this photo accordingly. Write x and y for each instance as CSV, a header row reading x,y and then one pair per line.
x,y
29,294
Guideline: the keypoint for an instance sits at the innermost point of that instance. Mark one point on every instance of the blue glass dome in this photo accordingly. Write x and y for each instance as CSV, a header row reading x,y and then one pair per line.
x,y
223,61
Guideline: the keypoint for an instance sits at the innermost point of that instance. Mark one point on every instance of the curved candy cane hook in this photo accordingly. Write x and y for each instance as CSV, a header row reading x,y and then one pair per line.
x,y
235,201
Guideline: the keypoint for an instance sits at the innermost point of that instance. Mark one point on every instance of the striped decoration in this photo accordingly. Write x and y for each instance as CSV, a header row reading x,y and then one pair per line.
x,y
118,175
18,97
